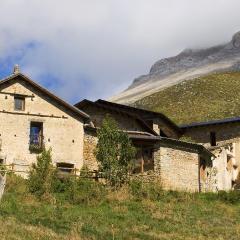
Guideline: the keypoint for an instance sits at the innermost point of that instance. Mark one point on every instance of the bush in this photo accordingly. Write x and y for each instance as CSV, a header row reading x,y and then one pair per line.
x,y
84,191
43,175
229,197
141,190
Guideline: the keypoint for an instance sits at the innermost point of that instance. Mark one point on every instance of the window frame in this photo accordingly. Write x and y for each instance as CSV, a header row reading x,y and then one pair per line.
x,y
36,144
16,98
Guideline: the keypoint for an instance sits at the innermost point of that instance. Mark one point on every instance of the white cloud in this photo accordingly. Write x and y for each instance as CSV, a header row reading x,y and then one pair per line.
x,y
94,48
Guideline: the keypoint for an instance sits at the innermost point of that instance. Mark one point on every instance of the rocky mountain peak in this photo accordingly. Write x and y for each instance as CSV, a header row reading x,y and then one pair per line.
x,y
188,64
236,40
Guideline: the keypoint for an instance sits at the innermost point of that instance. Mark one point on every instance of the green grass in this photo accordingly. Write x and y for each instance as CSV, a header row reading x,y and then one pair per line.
x,y
211,97
139,212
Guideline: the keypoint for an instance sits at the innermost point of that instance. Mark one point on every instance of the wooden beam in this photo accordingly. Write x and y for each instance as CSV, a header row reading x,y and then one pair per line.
x,y
17,94
33,114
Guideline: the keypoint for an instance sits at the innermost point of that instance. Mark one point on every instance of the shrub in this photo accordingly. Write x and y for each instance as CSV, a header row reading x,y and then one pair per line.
x,y
42,176
84,191
229,197
141,190
114,153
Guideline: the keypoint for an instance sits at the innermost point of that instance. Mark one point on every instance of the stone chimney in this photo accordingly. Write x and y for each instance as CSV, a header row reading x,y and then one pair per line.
x,y
16,69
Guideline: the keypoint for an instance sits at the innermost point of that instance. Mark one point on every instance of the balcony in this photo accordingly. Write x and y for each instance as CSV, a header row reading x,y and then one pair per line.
x,y
36,143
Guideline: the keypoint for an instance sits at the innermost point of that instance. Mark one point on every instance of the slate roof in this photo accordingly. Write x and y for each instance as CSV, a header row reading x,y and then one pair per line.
x,y
209,123
137,112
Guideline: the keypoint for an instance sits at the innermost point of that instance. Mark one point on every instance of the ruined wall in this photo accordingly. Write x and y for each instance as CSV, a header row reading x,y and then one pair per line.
x,y
178,169
62,131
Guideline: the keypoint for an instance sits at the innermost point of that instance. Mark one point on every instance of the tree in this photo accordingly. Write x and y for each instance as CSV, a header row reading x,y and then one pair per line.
x,y
114,152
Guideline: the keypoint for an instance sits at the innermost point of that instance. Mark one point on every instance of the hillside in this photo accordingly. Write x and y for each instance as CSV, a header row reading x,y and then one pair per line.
x,y
187,65
214,96
146,213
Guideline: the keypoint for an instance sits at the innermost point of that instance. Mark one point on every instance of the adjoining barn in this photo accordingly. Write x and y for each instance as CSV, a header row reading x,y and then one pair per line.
x,y
174,164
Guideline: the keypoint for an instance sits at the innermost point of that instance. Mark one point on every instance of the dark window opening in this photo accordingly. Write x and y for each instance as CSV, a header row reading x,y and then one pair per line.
x,y
65,168
213,141
36,135
162,134
19,103
143,161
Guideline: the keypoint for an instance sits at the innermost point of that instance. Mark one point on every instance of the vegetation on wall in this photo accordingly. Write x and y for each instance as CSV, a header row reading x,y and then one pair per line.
x,y
211,97
114,152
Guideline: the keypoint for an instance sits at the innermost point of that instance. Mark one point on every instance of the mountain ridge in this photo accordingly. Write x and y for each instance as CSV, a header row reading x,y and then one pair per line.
x,y
189,64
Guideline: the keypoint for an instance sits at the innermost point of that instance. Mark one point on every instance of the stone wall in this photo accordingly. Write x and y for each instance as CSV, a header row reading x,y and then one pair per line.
x,y
62,131
225,133
178,169
89,146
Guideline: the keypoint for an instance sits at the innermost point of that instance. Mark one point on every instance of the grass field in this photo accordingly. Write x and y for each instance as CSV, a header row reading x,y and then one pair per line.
x,y
139,212
211,97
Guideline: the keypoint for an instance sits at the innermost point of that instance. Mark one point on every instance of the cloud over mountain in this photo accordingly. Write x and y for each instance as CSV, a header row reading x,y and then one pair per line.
x,y
95,48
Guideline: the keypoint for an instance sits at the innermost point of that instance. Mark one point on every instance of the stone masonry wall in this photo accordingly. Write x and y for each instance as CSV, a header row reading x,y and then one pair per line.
x,y
62,131
225,133
89,146
178,169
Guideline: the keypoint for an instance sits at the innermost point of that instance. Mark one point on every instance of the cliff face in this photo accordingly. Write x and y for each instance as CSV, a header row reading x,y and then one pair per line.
x,y
189,64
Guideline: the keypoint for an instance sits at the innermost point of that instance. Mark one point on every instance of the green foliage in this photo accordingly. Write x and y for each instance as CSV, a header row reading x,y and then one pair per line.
x,y
211,97
142,190
84,191
114,153
42,176
170,215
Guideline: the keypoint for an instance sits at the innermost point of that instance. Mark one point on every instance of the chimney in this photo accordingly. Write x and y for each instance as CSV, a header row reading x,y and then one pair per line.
x,y
16,69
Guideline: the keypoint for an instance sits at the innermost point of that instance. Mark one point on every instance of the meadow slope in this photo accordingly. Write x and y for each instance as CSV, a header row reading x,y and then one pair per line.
x,y
211,97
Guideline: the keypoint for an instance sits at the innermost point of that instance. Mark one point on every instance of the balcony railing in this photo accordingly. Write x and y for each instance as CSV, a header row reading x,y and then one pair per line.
x,y
36,143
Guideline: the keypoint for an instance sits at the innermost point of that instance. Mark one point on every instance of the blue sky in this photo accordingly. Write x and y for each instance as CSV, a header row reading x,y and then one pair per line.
x,y
94,49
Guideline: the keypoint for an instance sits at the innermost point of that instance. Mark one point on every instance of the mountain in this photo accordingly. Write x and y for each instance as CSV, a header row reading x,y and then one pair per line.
x,y
211,97
189,64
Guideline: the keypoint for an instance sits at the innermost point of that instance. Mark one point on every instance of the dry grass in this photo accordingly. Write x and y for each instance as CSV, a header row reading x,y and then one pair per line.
x,y
215,96
150,213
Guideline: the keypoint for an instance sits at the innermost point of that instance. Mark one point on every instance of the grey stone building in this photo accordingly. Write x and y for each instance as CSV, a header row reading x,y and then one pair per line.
x,y
161,156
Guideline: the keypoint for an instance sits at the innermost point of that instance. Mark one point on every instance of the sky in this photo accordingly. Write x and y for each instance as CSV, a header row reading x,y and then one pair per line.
x,y
95,48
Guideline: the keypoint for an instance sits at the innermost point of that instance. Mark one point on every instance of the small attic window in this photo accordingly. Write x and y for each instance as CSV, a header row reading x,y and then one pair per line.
x,y
19,103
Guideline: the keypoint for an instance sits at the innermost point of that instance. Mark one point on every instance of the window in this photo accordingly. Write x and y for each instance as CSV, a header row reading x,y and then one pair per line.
x,y
36,135
213,139
19,103
65,168
144,160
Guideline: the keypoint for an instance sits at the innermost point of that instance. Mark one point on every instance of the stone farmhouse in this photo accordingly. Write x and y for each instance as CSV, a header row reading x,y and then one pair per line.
x,y
32,117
